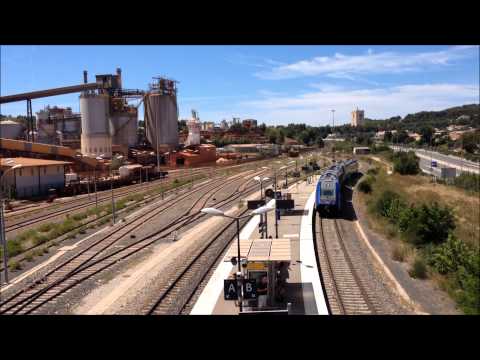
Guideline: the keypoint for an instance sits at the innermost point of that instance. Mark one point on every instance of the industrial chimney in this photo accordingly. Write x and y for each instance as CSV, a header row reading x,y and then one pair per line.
x,y
119,75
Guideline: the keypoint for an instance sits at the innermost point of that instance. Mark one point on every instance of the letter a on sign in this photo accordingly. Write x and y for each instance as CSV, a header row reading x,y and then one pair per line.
x,y
230,290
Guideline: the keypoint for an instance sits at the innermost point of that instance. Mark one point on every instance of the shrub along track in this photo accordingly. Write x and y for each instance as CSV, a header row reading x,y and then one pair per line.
x,y
89,262
346,294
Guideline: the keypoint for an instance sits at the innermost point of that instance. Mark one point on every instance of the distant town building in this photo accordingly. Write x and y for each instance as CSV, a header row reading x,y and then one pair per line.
x,y
249,123
361,150
224,125
357,117
455,135
208,126
193,132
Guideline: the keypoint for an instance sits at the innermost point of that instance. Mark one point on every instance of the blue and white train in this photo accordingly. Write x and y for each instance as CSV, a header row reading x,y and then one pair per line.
x,y
328,197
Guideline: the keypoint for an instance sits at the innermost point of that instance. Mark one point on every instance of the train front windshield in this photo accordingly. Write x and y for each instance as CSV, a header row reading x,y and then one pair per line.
x,y
328,191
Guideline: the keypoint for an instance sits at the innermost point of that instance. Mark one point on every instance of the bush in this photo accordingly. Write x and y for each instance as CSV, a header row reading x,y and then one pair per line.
x,y
365,186
45,227
437,222
426,224
14,247
461,265
453,254
406,163
39,239
372,171
418,269
15,265
469,182
389,205
399,253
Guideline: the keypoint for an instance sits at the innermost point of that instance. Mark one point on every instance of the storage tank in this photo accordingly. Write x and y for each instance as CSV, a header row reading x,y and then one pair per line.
x,y
161,119
10,129
95,138
123,127
72,125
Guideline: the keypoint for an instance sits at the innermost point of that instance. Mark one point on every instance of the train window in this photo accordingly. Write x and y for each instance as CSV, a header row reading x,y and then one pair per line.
x,y
327,192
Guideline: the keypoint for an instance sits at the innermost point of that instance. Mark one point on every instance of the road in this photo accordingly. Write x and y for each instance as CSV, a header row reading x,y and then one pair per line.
x,y
460,164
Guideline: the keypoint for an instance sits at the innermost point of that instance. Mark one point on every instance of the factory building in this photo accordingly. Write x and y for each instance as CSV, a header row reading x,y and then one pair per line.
x,y
34,177
202,154
58,126
358,117
161,114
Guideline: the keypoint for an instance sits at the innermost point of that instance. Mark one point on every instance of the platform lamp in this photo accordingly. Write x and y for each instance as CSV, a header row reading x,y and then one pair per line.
x,y
216,212
2,218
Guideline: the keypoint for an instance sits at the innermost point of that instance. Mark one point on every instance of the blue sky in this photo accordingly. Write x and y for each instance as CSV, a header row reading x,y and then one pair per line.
x,y
274,84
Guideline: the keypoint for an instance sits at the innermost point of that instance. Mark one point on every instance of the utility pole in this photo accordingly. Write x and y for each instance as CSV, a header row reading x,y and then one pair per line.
x,y
4,240
276,210
113,200
95,189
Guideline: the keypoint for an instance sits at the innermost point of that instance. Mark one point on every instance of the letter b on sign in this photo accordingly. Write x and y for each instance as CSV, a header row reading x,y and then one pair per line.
x,y
250,289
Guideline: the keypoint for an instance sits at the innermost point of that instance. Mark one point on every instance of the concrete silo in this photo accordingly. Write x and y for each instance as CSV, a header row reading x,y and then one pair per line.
x,y
123,127
95,139
161,114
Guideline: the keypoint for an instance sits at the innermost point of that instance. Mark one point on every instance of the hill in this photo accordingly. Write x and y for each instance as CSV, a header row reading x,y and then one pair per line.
x,y
459,115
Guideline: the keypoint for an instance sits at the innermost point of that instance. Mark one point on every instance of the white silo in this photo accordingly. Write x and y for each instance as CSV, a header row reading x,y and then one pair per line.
x,y
161,114
95,138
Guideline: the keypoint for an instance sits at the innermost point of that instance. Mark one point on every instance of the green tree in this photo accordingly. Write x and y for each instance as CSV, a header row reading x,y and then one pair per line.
x,y
427,134
406,163
471,141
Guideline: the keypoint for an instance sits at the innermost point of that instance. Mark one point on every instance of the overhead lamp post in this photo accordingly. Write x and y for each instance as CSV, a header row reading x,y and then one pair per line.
x,y
261,181
216,212
2,219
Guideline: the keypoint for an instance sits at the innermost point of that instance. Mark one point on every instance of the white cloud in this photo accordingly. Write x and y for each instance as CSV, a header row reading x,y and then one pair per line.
x,y
314,108
345,66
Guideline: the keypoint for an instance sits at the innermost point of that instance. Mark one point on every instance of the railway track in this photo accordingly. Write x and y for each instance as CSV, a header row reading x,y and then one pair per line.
x,y
89,261
80,204
345,292
189,274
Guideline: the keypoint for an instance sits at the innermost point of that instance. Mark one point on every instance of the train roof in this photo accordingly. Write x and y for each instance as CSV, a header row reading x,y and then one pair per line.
x,y
335,170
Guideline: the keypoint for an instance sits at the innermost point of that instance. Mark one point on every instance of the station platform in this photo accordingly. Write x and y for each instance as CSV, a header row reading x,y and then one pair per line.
x,y
303,288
